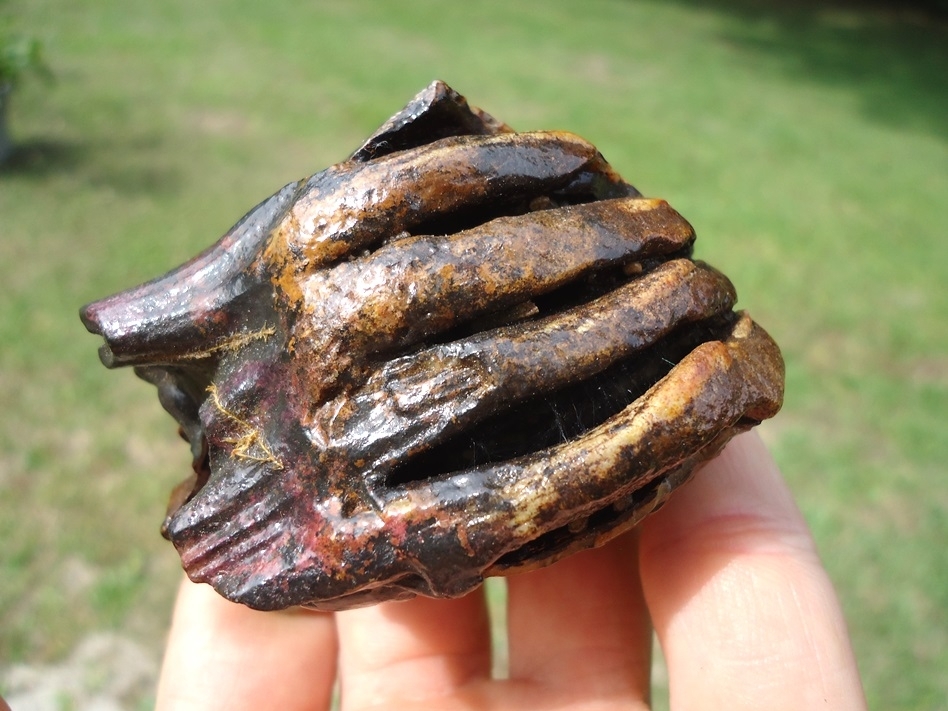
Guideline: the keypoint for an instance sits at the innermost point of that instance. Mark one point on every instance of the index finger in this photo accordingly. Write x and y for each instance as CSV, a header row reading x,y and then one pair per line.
x,y
744,611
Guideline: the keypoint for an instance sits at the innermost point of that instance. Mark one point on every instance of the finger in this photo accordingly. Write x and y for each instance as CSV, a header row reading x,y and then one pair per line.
x,y
221,655
745,613
399,653
581,626
436,112
185,314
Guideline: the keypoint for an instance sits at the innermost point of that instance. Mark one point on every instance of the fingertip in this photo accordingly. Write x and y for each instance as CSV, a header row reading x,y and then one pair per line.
x,y
581,624
735,508
745,613
741,486
413,650
224,655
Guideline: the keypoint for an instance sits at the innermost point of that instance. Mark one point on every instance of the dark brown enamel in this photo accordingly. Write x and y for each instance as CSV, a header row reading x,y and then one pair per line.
x,y
462,352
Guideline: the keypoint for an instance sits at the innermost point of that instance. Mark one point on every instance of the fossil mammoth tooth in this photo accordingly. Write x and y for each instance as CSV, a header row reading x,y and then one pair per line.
x,y
462,352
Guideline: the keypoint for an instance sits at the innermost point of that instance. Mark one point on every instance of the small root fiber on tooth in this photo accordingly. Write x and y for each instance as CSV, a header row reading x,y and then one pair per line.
x,y
233,344
250,437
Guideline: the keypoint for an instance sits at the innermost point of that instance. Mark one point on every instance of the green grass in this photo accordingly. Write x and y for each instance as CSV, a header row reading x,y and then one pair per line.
x,y
808,146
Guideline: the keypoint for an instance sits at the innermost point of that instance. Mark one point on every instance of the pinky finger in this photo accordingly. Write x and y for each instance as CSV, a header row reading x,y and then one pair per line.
x,y
221,655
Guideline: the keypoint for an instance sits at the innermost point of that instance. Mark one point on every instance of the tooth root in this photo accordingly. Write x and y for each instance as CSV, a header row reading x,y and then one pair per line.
x,y
436,112
176,317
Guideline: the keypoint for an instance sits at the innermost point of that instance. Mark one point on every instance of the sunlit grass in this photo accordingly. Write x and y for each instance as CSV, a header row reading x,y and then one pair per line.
x,y
808,147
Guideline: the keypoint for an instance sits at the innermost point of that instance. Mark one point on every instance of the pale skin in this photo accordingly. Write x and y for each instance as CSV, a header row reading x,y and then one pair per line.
x,y
726,574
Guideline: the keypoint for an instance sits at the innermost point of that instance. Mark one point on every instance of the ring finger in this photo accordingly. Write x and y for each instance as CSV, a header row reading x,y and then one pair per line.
x,y
580,627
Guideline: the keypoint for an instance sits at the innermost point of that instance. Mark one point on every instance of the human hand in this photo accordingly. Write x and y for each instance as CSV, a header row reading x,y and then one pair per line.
x,y
726,573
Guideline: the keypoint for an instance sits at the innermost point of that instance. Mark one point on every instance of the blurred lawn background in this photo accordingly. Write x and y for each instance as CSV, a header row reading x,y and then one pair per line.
x,y
807,143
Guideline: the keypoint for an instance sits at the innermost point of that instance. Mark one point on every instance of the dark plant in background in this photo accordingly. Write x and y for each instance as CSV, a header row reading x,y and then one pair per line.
x,y
19,55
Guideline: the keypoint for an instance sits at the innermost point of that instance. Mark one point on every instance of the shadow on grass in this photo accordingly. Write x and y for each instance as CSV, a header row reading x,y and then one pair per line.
x,y
893,57
39,159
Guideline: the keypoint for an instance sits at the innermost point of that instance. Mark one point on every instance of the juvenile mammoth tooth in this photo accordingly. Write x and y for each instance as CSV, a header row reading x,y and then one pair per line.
x,y
462,352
